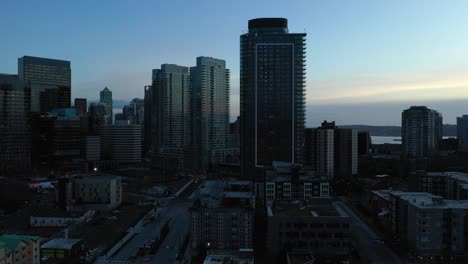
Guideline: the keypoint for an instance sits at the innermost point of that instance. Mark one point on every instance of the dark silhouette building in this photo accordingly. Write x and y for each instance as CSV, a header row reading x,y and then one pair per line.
x,y
105,97
147,137
421,132
54,98
364,143
272,95
15,129
43,74
81,106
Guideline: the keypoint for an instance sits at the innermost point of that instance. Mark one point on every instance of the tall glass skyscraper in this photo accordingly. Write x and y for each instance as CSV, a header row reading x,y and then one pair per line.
x,y
272,94
209,109
171,115
462,132
105,97
15,128
43,74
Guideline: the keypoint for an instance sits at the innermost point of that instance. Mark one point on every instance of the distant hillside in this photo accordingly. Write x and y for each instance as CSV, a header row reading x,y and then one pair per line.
x,y
395,131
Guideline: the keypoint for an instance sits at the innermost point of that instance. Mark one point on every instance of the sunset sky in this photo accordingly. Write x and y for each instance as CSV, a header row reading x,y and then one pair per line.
x,y
366,60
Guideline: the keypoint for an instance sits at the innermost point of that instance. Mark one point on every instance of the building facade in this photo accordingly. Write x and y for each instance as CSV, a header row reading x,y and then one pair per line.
x,y
43,74
103,191
147,136
105,97
316,226
272,95
81,106
20,249
224,219
421,132
121,142
15,128
431,228
462,133
171,115
331,151
210,84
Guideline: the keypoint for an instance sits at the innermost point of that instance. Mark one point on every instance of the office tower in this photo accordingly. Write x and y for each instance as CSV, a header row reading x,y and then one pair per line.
x,y
272,95
98,117
121,142
81,105
105,97
147,137
43,73
171,116
56,138
15,129
462,133
54,98
134,112
364,143
331,150
209,109
421,132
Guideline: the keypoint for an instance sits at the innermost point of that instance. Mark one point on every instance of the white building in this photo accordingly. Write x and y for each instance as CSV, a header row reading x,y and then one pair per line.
x,y
98,192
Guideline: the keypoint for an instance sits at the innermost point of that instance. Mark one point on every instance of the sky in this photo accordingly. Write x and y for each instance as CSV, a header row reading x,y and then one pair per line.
x,y
366,60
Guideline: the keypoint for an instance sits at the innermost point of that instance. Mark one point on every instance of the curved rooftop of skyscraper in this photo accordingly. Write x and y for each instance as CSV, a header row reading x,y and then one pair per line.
x,y
268,25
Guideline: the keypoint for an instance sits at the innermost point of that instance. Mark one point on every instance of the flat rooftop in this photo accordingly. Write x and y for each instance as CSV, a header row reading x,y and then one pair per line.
x,y
61,243
452,174
297,208
97,177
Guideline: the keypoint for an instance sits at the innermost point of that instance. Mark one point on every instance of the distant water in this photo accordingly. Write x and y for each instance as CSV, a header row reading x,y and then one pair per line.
x,y
388,140
385,140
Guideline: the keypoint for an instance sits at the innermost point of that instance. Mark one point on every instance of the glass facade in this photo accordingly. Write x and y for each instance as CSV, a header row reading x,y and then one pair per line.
x,y
15,129
171,111
210,109
272,95
43,74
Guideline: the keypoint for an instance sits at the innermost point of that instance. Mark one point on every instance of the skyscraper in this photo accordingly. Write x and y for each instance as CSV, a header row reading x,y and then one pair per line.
x,y
106,98
54,98
15,129
43,73
171,115
209,109
147,137
331,151
421,132
272,94
80,106
462,133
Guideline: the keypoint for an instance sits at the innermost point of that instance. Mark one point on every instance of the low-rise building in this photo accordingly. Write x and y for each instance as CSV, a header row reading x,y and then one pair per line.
x,y
223,218
450,185
57,218
430,227
20,249
316,226
60,248
90,192
243,256
292,183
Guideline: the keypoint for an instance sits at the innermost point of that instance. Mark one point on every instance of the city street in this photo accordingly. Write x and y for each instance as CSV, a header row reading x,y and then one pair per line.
x,y
366,240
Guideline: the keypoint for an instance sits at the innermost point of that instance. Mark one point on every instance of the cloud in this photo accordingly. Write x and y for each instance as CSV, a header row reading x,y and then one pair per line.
x,y
388,89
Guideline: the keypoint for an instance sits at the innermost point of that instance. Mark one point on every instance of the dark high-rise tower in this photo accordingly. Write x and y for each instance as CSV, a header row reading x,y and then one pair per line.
x,y
15,128
272,94
80,106
106,98
171,116
43,74
148,102
421,132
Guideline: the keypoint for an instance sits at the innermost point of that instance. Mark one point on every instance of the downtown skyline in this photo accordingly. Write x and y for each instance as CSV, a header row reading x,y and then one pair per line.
x,y
363,58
